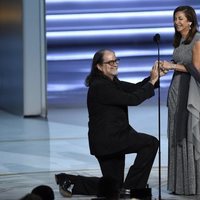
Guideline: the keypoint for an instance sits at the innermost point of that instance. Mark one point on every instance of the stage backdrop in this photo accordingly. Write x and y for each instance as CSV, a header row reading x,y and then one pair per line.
x,y
76,29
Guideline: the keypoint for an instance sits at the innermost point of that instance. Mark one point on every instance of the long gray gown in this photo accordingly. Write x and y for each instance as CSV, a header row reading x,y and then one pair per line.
x,y
183,145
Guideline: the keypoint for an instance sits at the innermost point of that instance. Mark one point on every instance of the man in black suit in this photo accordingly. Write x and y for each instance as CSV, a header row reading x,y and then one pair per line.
x,y
110,135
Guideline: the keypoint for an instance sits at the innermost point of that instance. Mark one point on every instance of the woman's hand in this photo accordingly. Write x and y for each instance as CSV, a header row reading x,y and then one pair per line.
x,y
165,65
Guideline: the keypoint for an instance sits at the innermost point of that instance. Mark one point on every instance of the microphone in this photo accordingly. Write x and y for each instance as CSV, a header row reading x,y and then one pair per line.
x,y
156,38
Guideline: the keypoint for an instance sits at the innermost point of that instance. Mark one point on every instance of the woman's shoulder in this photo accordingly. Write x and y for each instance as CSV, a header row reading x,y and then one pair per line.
x,y
197,36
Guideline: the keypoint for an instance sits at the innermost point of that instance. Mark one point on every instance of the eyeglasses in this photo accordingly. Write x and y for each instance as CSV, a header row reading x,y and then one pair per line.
x,y
112,62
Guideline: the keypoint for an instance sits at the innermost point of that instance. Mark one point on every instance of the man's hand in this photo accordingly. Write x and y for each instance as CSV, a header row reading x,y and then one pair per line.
x,y
157,71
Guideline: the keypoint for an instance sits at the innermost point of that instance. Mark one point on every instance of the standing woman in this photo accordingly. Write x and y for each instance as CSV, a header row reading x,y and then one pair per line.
x,y
184,105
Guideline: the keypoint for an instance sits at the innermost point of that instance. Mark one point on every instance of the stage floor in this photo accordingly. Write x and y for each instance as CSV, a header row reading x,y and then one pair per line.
x,y
32,150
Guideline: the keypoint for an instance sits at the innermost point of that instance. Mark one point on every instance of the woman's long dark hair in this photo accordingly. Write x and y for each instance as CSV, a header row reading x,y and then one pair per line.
x,y
97,59
191,17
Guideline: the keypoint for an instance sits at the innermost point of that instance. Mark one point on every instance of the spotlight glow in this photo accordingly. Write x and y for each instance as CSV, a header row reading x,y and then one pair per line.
x,y
114,15
113,32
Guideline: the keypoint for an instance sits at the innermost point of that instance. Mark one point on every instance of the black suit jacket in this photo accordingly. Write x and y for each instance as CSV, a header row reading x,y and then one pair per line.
x,y
108,101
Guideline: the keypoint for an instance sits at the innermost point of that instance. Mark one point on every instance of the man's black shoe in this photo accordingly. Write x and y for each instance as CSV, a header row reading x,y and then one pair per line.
x,y
125,193
65,184
66,189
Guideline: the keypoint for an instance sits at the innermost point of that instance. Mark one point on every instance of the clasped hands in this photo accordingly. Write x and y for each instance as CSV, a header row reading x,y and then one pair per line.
x,y
164,67
159,69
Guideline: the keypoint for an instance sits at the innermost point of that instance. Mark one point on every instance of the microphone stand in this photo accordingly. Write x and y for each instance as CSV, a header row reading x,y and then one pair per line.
x,y
157,40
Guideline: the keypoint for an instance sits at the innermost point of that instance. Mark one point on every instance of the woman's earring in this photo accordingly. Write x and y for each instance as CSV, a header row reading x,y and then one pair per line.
x,y
190,23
